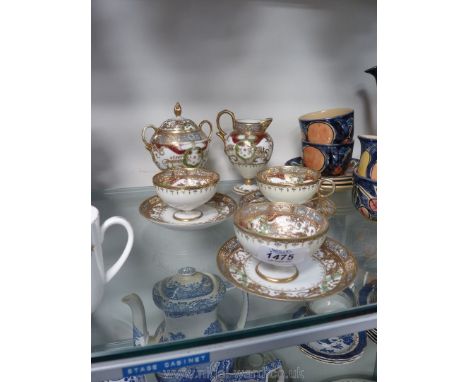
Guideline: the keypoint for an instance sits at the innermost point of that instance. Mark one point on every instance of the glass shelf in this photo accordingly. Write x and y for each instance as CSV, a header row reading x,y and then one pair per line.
x,y
158,252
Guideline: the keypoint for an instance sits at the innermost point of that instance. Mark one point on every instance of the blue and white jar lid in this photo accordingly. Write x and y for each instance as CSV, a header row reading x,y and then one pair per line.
x,y
188,292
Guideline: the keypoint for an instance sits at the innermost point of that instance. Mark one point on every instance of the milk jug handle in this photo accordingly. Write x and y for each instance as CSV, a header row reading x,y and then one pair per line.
x,y
112,271
221,133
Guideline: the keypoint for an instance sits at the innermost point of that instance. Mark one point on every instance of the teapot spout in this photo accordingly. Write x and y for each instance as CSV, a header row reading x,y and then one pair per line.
x,y
140,330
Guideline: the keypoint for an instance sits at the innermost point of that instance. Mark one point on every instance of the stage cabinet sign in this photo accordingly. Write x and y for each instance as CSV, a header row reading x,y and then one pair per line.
x,y
167,365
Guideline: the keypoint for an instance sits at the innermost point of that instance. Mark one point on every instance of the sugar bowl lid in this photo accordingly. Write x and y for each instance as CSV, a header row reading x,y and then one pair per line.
x,y
178,124
188,292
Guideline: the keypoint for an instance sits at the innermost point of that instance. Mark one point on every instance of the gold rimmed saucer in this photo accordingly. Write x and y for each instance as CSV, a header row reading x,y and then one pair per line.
x,y
215,211
330,270
342,182
324,206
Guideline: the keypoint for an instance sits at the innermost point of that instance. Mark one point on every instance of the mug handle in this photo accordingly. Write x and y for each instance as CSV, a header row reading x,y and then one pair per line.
x,y
333,186
209,124
112,271
221,133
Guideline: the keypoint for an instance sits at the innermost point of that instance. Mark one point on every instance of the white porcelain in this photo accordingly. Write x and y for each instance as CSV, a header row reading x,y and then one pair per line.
x,y
334,303
189,300
215,211
178,142
280,236
99,277
185,189
330,270
324,206
292,184
248,147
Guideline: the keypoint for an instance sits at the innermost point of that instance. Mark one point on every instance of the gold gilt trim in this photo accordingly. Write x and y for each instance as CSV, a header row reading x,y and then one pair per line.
x,y
263,176
219,202
227,267
269,207
187,219
183,173
275,280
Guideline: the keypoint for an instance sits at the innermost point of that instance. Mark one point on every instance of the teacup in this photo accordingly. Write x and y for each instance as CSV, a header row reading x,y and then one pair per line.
x,y
99,277
365,196
328,126
280,236
292,184
328,159
368,162
186,189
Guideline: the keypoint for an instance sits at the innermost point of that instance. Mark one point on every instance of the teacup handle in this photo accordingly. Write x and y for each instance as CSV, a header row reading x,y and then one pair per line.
x,y
333,186
112,271
221,133
143,136
209,124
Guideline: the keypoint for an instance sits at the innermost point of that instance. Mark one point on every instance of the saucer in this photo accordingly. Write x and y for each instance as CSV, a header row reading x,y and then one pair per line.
x,y
330,270
215,211
342,182
323,205
338,350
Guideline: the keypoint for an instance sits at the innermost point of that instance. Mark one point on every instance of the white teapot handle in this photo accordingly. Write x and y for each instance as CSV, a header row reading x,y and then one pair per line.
x,y
112,271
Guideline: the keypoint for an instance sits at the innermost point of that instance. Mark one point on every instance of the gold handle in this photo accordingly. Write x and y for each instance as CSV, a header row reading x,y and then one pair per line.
x,y
143,136
333,186
221,133
209,124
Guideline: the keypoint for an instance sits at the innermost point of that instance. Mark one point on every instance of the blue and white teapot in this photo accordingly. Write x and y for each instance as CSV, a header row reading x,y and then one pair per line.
x,y
189,300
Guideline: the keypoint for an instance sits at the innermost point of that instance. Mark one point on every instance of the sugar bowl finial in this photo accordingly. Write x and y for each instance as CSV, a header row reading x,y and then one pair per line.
x,y
177,109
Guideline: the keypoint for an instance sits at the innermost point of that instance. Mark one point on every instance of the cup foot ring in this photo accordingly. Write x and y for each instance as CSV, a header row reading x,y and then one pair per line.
x,y
276,274
187,216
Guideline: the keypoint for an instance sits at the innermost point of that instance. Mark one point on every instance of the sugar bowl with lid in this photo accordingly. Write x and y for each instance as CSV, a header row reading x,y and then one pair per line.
x,y
178,142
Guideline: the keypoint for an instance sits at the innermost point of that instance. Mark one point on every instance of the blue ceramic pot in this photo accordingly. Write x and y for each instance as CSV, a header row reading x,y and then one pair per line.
x,y
330,126
365,196
368,162
328,159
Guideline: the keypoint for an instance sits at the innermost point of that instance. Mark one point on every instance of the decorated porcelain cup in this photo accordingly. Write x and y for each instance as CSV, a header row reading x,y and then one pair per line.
x,y
365,196
186,189
328,126
330,159
292,184
280,236
100,277
368,162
